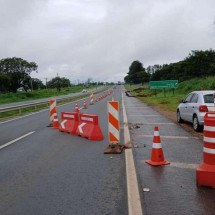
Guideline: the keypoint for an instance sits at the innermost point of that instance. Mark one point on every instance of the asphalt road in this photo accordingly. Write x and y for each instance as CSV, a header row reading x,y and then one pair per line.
x,y
169,189
50,172
45,171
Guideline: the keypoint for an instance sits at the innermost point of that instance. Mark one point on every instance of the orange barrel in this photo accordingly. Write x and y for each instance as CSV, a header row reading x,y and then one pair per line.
x,y
206,171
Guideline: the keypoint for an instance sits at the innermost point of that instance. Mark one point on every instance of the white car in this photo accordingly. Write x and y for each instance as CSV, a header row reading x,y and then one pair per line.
x,y
84,91
193,108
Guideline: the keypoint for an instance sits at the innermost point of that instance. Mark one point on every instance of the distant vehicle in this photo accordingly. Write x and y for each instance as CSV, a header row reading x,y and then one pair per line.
x,y
84,91
195,106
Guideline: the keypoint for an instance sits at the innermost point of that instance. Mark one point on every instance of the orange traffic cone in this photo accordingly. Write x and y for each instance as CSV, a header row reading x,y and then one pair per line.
x,y
157,157
55,122
84,105
76,108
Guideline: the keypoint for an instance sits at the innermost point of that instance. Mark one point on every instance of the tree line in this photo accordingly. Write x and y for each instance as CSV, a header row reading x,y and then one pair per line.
x,y
196,64
15,74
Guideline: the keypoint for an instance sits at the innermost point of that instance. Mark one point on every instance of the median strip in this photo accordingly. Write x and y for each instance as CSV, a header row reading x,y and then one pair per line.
x,y
15,140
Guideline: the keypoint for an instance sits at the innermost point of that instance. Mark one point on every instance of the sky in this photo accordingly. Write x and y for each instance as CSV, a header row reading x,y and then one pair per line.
x,y
99,39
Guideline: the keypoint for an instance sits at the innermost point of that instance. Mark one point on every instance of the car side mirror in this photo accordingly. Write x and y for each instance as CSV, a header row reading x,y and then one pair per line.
x,y
181,101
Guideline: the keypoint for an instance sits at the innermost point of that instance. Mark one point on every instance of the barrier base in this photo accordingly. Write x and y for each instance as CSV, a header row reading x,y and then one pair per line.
x,y
114,149
160,163
205,175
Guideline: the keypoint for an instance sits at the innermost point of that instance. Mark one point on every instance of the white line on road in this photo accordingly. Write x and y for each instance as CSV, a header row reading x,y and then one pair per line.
x,y
134,203
15,140
169,137
159,123
180,165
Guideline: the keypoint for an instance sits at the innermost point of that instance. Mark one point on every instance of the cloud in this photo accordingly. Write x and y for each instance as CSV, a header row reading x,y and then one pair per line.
x,y
100,39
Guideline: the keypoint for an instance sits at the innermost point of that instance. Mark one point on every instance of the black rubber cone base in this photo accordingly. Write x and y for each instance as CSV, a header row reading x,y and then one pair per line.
x,y
114,149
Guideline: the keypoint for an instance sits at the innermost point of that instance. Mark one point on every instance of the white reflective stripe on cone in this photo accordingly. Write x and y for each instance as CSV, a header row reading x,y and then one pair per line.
x,y
209,128
156,133
208,150
157,146
209,139
211,115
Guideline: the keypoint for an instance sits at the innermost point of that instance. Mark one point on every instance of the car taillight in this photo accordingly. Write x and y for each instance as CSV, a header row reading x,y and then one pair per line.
x,y
203,108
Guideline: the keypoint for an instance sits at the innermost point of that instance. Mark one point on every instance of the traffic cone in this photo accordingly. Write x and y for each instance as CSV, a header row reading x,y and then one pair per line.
x,y
76,108
84,105
55,122
157,157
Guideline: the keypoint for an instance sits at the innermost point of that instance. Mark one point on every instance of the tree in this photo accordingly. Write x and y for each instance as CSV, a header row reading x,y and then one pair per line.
x,y
17,72
58,83
36,84
137,74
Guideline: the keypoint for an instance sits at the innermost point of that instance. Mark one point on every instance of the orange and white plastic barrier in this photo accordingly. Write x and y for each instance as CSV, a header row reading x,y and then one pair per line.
x,y
53,111
91,99
157,156
55,122
205,173
113,122
69,122
88,127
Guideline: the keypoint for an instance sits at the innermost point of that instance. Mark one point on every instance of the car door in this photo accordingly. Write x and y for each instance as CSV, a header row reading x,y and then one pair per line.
x,y
192,107
184,107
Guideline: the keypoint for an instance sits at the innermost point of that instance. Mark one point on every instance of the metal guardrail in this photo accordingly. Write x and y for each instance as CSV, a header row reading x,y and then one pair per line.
x,y
35,104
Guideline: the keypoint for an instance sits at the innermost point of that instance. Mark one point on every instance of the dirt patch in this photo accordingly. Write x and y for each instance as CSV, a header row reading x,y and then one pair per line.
x,y
140,89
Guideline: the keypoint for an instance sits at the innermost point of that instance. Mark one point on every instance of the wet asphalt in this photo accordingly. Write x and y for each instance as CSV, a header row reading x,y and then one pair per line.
x,y
55,173
171,189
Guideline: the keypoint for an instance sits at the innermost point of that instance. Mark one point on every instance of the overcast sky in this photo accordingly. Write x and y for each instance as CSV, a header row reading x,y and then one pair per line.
x,y
99,39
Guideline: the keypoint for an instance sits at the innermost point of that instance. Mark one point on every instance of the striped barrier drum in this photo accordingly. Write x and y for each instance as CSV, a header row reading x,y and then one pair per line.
x,y
205,173
53,111
113,122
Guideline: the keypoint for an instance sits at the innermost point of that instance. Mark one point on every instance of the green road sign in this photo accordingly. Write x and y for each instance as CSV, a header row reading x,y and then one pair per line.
x,y
168,84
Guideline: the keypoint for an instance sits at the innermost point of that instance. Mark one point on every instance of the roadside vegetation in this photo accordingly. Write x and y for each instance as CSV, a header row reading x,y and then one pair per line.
x,y
38,94
194,72
168,99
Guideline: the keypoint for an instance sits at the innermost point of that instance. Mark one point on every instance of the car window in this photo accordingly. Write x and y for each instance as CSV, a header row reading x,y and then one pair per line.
x,y
194,99
209,98
188,99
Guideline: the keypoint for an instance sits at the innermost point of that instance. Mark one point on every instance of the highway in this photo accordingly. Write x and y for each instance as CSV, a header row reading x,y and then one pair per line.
x,y
44,171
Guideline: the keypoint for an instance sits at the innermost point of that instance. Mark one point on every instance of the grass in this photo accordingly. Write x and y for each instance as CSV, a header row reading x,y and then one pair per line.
x,y
37,94
6,98
166,100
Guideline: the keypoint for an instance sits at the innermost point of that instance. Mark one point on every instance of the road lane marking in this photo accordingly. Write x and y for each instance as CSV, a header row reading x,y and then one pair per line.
x,y
169,137
158,123
184,165
15,140
180,165
133,194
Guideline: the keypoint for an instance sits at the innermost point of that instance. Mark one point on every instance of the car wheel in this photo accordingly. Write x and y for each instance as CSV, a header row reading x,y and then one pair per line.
x,y
196,125
179,119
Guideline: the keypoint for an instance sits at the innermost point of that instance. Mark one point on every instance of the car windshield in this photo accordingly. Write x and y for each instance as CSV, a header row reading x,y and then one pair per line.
x,y
209,98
